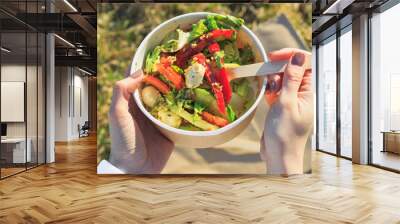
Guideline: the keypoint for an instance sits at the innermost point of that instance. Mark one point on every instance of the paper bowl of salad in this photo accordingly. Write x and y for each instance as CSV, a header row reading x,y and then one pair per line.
x,y
186,92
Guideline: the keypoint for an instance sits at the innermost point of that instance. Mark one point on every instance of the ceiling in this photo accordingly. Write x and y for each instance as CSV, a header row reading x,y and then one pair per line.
x,y
331,15
74,22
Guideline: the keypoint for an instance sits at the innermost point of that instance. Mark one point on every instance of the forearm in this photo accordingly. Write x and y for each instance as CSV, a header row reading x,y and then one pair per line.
x,y
136,147
125,143
284,158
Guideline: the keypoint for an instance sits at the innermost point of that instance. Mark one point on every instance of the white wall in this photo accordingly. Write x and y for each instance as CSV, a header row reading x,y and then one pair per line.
x,y
61,104
71,94
80,115
33,127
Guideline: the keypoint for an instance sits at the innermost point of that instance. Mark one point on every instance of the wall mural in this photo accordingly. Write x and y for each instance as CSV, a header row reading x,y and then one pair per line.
x,y
174,97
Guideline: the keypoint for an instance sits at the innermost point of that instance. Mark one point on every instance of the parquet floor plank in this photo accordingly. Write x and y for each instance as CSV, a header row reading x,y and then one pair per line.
x,y
70,191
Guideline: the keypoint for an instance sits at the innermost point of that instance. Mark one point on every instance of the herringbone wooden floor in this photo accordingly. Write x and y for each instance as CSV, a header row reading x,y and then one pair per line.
x,y
69,191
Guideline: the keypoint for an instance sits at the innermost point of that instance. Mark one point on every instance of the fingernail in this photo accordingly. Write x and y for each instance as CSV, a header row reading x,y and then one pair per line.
x,y
273,86
298,59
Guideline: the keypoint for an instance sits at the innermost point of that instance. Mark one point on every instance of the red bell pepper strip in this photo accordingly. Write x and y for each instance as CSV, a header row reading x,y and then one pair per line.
x,y
171,75
222,75
200,58
219,96
221,34
214,47
226,87
219,121
212,80
158,84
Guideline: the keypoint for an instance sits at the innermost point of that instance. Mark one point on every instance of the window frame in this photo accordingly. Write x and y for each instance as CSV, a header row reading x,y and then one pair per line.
x,y
381,9
30,29
337,35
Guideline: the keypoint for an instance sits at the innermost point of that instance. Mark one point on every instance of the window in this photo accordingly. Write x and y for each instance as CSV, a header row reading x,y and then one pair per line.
x,y
346,92
327,96
22,76
314,85
385,89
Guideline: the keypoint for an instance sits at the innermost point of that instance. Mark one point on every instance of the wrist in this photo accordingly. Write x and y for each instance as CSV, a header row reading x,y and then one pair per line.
x,y
127,152
121,163
285,159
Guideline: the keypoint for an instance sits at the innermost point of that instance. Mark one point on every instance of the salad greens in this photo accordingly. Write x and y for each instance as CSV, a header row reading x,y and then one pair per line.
x,y
175,41
231,53
198,29
186,82
152,59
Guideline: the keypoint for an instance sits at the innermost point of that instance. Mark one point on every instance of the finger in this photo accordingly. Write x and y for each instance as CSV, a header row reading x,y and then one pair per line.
x,y
293,75
128,85
274,85
306,84
284,54
121,93
134,81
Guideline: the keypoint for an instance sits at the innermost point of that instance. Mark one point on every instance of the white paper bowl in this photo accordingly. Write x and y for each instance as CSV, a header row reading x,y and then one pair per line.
x,y
198,139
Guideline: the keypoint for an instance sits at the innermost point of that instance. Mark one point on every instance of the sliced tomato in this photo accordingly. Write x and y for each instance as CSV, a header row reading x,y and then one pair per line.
x,y
200,58
210,118
171,75
222,34
214,47
158,84
226,87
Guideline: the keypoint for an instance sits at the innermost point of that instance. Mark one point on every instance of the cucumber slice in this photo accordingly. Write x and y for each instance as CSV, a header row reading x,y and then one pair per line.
x,y
207,99
198,122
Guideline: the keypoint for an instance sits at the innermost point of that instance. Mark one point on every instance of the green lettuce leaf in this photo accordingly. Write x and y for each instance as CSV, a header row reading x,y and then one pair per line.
x,y
198,29
246,55
219,58
211,23
231,53
198,108
175,41
231,113
152,58
228,22
243,88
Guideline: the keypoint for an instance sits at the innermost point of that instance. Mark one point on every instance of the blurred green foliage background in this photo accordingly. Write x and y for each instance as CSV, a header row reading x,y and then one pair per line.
x,y
122,27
